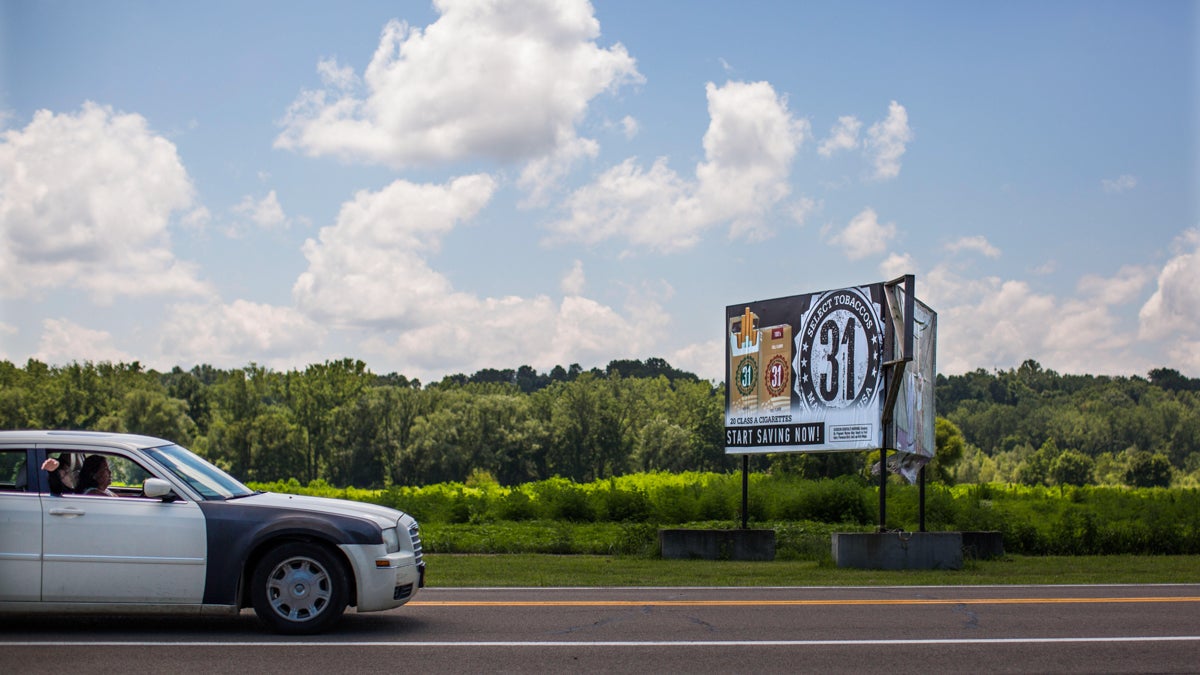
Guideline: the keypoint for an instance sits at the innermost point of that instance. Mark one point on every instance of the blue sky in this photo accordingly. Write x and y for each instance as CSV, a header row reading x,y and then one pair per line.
x,y
442,187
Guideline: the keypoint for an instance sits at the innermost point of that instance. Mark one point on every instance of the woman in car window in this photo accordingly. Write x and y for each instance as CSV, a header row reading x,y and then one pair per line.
x,y
95,477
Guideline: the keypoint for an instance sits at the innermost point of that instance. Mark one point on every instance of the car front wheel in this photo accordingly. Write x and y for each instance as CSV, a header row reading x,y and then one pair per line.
x,y
299,588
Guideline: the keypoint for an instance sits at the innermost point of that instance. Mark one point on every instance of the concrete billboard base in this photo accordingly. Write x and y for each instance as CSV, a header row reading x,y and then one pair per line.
x,y
718,544
898,550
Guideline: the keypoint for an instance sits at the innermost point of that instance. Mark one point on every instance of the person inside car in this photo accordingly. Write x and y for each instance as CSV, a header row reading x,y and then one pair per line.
x,y
95,477
62,477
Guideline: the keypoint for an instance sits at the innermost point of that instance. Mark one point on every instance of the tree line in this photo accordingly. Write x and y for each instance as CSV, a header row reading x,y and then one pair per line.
x,y
1033,426
338,422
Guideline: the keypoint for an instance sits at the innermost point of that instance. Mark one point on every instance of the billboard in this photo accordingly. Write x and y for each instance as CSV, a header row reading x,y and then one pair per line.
x,y
806,372
833,371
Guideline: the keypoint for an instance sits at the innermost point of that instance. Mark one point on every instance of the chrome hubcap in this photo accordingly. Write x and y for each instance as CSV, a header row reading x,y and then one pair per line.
x,y
299,589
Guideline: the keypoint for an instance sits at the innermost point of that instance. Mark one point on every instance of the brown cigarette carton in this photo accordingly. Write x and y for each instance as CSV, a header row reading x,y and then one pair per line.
x,y
775,361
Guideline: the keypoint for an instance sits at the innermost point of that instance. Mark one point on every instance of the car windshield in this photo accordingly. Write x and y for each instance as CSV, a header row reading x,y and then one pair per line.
x,y
204,478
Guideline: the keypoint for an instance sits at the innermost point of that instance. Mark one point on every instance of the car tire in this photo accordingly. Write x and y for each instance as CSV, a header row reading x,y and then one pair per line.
x,y
299,588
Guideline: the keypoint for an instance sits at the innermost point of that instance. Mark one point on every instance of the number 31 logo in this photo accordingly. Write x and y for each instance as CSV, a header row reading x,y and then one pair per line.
x,y
838,351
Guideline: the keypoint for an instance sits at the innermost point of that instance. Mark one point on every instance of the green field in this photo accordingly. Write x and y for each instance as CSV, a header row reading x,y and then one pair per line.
x,y
458,570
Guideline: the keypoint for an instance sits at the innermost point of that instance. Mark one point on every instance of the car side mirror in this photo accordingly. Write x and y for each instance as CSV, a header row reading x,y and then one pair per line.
x,y
156,488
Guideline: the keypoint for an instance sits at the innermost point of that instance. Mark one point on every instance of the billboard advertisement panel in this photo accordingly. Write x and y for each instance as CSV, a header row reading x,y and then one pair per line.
x,y
805,373
915,420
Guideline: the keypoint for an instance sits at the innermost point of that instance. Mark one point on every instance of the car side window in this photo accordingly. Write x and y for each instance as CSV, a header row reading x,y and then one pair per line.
x,y
111,475
13,474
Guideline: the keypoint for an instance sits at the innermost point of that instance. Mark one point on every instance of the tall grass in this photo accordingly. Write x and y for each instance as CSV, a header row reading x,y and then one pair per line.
x,y
622,514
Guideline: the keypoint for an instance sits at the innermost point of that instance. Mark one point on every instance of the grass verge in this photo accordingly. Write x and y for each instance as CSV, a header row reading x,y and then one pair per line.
x,y
459,570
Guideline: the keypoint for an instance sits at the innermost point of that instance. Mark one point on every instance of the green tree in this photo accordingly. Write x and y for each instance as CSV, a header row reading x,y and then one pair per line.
x,y
1035,469
950,444
1072,468
316,396
153,413
1148,470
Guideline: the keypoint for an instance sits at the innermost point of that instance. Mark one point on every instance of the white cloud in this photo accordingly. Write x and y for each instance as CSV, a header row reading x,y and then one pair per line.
x,y
978,243
705,359
64,341
630,126
370,271
865,235
897,265
804,207
652,209
1173,311
86,201
7,330
505,81
843,136
888,140
995,323
369,268
337,76
231,335
1120,184
541,176
500,330
749,146
1124,288
265,213
574,281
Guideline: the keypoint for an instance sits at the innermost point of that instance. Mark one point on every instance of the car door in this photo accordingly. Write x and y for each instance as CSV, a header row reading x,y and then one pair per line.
x,y
20,526
122,549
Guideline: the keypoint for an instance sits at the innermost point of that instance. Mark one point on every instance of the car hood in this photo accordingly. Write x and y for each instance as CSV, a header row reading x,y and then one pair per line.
x,y
384,516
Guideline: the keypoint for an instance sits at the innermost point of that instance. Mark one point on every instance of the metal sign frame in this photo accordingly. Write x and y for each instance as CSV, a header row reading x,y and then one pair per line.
x,y
761,419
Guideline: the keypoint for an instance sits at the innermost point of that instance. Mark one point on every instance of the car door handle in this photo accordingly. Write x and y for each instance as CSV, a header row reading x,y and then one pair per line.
x,y
67,511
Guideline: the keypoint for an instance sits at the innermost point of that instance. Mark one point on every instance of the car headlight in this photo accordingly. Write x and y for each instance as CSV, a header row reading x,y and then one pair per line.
x,y
391,539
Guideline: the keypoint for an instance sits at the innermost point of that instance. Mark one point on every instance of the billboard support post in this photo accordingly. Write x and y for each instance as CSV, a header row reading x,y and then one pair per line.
x,y
745,491
902,321
921,497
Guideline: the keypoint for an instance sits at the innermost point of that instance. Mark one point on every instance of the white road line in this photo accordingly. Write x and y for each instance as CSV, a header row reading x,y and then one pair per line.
x,y
607,643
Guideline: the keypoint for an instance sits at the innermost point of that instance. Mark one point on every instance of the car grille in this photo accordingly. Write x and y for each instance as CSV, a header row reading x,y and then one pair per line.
x,y
414,532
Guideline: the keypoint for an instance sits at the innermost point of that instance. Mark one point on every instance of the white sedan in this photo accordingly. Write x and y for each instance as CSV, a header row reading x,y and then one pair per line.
x,y
175,534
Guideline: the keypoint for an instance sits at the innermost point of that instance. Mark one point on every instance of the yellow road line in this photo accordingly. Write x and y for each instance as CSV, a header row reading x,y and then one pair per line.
x,y
788,603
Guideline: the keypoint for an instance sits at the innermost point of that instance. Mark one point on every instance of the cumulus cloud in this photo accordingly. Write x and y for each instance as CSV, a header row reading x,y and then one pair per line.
x,y
897,265
864,236
978,244
265,213
843,136
705,359
1120,184
574,281
370,271
500,330
503,81
888,140
230,335
994,322
749,146
629,126
1123,288
804,207
540,176
1173,312
64,341
86,201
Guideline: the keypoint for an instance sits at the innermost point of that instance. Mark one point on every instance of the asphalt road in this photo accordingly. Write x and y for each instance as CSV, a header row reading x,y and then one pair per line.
x,y
1019,629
